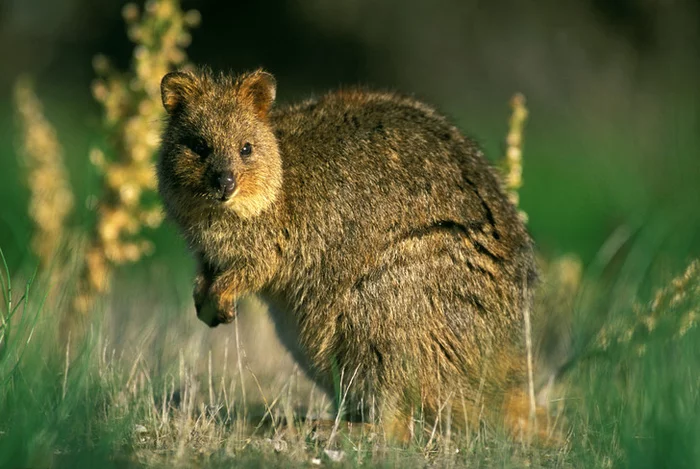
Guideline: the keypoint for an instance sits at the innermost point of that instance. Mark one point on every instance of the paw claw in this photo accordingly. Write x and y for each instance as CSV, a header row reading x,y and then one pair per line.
x,y
212,314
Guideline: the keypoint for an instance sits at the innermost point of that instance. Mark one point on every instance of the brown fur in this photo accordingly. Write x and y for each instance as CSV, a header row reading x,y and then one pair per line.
x,y
377,232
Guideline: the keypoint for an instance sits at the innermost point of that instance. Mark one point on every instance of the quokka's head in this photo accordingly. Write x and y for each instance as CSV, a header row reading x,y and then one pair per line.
x,y
218,150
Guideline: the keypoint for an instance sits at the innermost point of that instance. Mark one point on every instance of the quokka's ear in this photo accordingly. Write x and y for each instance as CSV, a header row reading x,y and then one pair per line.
x,y
259,88
176,88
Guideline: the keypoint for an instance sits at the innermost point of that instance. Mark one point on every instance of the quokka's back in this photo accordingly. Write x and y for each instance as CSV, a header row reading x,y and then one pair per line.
x,y
377,232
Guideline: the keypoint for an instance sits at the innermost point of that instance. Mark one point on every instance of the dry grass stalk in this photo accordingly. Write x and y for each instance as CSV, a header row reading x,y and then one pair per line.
x,y
512,170
51,197
341,406
530,370
132,117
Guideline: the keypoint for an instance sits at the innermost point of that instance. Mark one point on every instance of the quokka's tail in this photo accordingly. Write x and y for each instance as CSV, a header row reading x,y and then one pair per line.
x,y
552,323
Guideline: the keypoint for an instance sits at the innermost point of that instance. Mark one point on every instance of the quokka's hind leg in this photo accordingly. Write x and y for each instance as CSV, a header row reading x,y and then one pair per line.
x,y
398,428
396,422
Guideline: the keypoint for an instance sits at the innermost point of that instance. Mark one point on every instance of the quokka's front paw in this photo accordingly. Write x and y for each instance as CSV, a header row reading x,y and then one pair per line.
x,y
214,310
200,291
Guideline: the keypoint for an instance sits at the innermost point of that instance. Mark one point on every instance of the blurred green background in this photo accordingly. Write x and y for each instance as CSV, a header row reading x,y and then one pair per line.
x,y
612,88
612,149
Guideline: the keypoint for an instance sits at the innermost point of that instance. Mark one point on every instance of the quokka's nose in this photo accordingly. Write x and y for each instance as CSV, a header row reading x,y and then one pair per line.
x,y
227,184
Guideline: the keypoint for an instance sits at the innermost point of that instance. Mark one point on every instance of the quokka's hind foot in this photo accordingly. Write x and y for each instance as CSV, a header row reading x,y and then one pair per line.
x,y
522,425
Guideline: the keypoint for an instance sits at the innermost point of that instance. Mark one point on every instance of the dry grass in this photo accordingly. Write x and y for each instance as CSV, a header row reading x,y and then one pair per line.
x,y
193,405
671,313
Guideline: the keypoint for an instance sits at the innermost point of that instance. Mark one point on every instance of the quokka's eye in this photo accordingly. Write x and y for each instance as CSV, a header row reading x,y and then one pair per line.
x,y
246,150
198,146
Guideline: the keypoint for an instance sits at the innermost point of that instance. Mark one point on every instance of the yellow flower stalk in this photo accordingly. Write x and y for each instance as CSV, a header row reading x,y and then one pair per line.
x,y
512,164
132,115
51,198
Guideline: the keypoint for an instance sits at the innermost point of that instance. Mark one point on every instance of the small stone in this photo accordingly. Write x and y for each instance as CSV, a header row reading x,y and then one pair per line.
x,y
278,444
333,455
140,429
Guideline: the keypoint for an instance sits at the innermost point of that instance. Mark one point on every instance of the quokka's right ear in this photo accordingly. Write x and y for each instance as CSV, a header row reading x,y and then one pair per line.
x,y
260,89
176,88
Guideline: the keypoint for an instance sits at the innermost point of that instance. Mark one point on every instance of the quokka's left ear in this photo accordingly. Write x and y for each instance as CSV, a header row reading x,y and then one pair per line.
x,y
259,88
176,88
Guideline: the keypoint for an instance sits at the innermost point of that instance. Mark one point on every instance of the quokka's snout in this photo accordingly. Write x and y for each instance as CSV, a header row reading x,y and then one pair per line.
x,y
223,184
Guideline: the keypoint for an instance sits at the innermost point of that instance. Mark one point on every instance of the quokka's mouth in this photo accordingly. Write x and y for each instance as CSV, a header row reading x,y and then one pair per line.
x,y
225,196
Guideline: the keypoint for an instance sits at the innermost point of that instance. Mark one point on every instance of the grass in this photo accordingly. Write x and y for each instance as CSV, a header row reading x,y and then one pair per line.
x,y
146,386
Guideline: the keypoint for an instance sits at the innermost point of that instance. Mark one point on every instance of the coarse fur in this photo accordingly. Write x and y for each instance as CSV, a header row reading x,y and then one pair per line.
x,y
378,233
